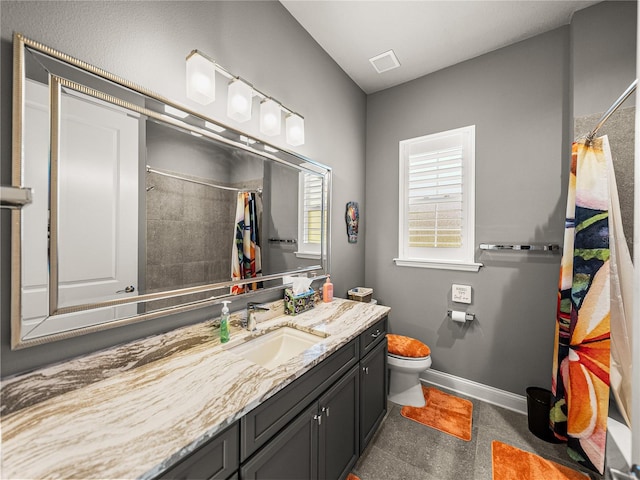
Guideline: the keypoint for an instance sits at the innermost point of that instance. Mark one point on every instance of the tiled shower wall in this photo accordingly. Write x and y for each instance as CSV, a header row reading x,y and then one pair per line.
x,y
189,227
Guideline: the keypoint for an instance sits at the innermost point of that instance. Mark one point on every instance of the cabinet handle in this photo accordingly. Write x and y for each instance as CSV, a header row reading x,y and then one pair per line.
x,y
325,410
365,370
318,418
376,334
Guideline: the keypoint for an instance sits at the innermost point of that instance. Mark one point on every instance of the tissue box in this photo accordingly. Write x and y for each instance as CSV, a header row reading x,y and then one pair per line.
x,y
360,294
295,304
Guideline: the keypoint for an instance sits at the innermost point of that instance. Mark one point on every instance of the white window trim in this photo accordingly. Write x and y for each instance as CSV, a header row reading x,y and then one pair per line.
x,y
305,250
466,260
438,265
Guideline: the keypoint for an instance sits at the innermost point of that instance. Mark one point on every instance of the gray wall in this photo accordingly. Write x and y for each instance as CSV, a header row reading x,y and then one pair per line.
x,y
603,60
520,109
147,42
603,66
520,100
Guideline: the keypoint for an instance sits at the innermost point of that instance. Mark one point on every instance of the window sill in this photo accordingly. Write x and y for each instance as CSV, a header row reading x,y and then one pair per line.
x,y
314,256
439,264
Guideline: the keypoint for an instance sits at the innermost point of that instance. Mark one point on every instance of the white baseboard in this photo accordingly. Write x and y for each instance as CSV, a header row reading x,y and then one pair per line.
x,y
495,396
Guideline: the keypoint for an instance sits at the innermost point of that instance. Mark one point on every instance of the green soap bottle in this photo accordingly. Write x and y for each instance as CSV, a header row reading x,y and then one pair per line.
x,y
224,323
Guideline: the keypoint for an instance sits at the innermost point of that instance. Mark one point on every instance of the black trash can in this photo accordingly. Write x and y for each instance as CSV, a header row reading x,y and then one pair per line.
x,y
538,407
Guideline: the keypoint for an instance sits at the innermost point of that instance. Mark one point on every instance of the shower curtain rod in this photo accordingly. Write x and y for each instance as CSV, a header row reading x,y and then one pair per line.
x,y
612,109
186,179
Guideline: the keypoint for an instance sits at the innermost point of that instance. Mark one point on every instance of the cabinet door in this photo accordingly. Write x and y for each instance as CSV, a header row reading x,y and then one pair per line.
x,y
373,392
217,459
338,439
291,455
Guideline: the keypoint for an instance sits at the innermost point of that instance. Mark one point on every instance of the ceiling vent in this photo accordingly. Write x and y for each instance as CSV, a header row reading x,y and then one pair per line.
x,y
385,61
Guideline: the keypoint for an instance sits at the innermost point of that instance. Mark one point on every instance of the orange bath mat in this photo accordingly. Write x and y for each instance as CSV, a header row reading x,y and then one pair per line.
x,y
444,412
511,463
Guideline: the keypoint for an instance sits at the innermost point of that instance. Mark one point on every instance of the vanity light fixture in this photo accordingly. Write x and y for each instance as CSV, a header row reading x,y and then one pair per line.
x,y
295,129
201,78
270,117
239,100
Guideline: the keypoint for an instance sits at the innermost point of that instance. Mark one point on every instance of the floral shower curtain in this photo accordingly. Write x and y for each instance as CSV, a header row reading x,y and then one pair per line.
x,y
246,260
580,381
592,352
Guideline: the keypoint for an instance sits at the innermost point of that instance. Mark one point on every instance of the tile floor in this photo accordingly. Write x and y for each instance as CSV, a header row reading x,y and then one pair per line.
x,y
406,450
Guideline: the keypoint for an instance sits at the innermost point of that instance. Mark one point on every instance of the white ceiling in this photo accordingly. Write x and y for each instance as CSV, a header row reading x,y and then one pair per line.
x,y
426,35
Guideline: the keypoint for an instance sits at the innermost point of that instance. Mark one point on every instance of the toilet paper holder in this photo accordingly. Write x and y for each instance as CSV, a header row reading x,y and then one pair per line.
x,y
467,316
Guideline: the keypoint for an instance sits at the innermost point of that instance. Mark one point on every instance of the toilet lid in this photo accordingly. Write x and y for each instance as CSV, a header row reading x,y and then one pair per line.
x,y
406,346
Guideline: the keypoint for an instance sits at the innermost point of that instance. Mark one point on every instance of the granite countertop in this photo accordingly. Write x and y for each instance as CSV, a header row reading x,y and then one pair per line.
x,y
134,410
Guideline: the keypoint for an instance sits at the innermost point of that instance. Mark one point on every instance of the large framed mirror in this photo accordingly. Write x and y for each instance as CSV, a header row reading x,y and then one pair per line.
x,y
142,207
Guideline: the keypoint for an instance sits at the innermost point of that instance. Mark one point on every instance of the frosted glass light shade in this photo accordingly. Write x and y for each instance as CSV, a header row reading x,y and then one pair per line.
x,y
295,129
270,117
239,101
201,78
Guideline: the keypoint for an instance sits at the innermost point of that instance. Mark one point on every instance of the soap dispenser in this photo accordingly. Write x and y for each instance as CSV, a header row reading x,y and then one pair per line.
x,y
327,290
224,322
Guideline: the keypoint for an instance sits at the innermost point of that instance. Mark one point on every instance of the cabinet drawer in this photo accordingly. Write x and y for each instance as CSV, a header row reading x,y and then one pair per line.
x,y
263,422
372,336
217,459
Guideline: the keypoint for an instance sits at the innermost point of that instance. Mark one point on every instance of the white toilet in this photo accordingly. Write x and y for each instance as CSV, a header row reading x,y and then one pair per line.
x,y
407,359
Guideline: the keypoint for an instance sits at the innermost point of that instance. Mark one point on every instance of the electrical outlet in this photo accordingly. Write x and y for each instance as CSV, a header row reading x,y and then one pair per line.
x,y
461,293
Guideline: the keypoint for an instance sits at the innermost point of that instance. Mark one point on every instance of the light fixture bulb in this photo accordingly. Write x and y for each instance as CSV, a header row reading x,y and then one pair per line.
x,y
270,114
295,129
239,101
201,78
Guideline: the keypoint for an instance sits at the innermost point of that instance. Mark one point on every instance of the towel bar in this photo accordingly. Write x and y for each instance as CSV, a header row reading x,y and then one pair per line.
x,y
549,247
283,240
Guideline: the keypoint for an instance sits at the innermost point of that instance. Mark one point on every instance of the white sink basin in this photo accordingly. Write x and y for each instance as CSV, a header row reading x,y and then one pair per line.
x,y
275,348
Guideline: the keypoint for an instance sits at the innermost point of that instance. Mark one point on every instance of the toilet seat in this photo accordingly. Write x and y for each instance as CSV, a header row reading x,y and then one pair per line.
x,y
409,359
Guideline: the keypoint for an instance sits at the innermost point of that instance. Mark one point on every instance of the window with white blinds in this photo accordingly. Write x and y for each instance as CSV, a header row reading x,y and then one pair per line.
x,y
437,200
310,223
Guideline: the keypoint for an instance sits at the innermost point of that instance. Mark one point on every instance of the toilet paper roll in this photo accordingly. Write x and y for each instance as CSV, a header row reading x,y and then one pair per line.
x,y
458,316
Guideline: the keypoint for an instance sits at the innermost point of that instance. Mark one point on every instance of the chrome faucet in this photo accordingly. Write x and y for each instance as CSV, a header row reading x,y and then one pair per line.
x,y
251,315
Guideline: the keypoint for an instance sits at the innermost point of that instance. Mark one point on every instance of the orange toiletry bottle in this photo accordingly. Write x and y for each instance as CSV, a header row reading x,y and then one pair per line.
x,y
327,290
